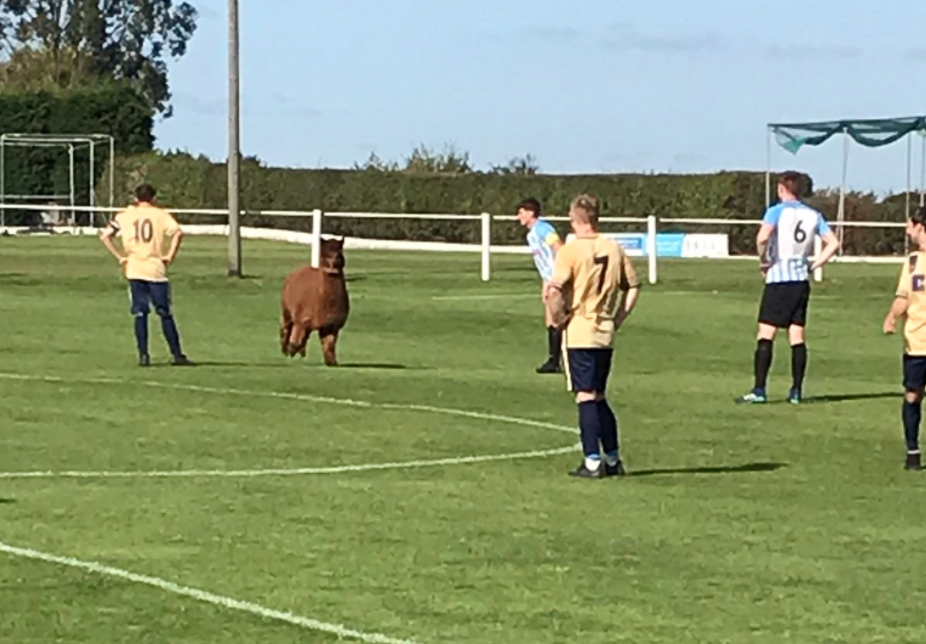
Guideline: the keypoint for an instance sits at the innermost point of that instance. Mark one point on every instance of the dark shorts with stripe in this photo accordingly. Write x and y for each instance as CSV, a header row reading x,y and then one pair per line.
x,y
785,304
588,369
144,294
914,372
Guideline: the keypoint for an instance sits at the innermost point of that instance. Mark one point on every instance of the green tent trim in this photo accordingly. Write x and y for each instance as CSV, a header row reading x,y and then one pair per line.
x,y
872,133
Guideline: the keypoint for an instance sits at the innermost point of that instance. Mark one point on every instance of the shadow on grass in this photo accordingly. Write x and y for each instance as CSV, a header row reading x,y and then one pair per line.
x,y
730,469
283,364
837,398
246,278
372,365
7,501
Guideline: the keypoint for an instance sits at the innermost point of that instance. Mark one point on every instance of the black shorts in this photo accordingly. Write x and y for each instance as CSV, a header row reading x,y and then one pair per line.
x,y
588,369
914,372
785,304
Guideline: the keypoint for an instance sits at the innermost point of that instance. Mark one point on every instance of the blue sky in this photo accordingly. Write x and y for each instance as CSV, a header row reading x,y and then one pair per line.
x,y
585,86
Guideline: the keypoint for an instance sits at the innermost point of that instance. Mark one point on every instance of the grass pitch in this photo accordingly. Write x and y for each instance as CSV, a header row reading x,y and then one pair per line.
x,y
738,524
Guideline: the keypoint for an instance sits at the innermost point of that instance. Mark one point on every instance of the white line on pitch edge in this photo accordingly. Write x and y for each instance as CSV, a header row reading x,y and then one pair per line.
x,y
203,596
362,467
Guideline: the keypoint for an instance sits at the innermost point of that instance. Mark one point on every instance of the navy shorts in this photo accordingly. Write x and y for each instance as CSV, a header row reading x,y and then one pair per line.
x,y
914,372
588,369
144,294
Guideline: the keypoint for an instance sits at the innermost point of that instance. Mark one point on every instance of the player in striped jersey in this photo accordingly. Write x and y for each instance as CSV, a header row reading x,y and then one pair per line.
x,y
544,243
910,303
785,243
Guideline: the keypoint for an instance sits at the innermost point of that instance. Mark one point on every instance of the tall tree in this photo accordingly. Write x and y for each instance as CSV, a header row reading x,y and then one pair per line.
x,y
526,165
450,161
69,43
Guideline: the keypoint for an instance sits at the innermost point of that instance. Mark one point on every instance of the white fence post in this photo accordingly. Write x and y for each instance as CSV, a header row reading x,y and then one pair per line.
x,y
316,238
486,246
651,232
817,249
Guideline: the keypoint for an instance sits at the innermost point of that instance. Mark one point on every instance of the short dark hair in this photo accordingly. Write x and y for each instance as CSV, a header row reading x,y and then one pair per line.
x,y
919,216
531,205
793,182
145,193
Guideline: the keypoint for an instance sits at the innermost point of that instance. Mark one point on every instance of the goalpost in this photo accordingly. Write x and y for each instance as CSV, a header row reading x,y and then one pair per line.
x,y
71,143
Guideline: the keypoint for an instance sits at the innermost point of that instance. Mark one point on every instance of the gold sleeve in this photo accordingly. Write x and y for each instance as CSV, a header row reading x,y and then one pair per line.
x,y
563,270
114,224
170,225
904,285
629,278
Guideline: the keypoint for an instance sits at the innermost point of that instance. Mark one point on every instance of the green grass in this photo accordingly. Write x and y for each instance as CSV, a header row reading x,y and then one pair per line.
x,y
703,545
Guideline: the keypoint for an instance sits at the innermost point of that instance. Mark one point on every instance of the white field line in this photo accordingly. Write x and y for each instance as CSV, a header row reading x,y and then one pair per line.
x,y
296,397
203,596
492,296
299,471
230,391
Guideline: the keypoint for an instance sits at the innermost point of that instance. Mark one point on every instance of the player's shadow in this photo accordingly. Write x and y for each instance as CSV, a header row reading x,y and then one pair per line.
x,y
838,398
218,363
372,365
4,501
723,469
288,364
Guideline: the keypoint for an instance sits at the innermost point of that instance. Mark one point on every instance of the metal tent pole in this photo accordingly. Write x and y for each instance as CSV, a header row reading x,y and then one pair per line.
x,y
906,238
841,213
768,167
923,171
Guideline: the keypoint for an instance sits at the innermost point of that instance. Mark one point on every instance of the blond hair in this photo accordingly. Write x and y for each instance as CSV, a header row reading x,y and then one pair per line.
x,y
584,209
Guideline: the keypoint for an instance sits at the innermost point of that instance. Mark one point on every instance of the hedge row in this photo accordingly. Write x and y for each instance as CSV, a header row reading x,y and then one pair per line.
x,y
188,182
113,109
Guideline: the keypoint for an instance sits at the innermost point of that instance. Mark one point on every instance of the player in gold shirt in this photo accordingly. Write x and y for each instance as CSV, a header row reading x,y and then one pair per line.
x,y
143,228
593,290
910,302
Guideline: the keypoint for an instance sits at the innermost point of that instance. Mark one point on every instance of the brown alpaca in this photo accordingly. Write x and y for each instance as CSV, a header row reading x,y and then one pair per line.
x,y
315,299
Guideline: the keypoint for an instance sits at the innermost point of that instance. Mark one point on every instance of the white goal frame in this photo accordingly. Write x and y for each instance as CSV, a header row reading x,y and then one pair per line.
x,y
71,143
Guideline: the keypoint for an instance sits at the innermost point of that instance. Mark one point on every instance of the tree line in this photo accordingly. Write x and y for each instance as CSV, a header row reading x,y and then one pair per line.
x,y
102,66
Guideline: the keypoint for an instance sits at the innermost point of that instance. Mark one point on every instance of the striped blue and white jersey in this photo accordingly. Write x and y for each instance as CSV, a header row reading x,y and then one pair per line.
x,y
541,238
796,225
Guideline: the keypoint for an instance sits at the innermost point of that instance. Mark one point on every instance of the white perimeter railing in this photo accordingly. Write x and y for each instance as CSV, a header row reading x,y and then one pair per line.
x,y
485,247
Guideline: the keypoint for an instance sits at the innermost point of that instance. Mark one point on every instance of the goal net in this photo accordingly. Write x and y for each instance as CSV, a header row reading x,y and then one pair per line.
x,y
45,178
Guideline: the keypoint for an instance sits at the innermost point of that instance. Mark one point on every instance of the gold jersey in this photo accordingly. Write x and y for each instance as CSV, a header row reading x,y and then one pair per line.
x,y
912,286
143,230
594,272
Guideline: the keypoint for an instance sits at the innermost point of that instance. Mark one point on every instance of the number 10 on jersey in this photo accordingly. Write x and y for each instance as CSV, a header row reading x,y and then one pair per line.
x,y
144,230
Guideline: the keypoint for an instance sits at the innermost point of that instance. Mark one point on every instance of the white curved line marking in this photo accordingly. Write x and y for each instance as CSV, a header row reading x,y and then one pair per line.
x,y
364,467
348,402
291,471
203,596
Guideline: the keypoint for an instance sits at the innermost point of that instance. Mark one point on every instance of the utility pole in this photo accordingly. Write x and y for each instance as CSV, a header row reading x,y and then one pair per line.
x,y
234,145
